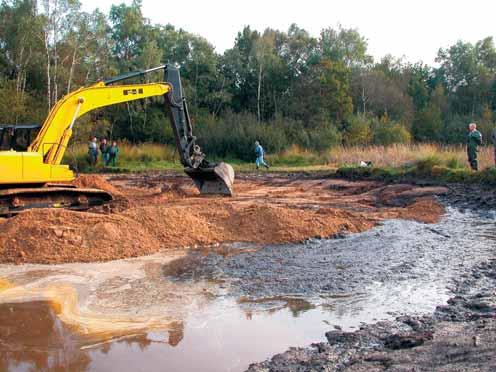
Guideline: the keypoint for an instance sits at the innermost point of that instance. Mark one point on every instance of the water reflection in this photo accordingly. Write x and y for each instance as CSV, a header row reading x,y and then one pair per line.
x,y
33,338
297,306
224,335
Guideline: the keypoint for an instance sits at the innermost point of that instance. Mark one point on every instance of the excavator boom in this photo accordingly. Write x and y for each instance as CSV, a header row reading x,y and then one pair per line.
x,y
24,176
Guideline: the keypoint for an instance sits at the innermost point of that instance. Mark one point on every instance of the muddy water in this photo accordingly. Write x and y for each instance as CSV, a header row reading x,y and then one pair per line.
x,y
219,312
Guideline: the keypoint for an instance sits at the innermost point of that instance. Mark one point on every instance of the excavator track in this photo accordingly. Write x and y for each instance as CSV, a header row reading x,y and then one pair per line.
x,y
17,200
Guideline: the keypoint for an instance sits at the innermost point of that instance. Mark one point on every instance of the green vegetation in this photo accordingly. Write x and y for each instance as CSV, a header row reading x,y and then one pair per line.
x,y
420,173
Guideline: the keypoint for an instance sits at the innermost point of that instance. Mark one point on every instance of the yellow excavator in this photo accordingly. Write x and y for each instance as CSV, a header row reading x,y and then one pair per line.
x,y
35,178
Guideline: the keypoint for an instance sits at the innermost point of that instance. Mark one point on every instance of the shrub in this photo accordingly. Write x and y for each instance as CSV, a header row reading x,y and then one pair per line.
x,y
428,125
235,135
390,133
424,166
323,138
455,129
454,163
357,131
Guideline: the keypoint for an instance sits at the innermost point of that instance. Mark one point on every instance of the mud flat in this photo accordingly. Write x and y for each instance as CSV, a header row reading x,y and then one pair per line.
x,y
223,308
153,212
459,336
220,285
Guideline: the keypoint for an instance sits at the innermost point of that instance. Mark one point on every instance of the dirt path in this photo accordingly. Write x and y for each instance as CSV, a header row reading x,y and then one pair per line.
x,y
156,212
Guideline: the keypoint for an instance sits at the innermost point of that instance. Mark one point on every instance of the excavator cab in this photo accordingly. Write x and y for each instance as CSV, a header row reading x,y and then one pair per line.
x,y
17,137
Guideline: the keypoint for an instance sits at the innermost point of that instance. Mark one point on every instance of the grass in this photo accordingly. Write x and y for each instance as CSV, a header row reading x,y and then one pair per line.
x,y
414,173
399,155
424,161
132,158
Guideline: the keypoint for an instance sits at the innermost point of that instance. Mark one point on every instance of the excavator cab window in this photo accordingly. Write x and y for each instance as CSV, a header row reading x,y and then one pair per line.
x,y
17,137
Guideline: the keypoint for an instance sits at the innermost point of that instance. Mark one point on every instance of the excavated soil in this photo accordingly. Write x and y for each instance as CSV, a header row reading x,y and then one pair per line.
x,y
87,181
166,212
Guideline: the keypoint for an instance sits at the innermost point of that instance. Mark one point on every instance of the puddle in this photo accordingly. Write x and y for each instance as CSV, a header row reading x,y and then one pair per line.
x,y
226,335
221,312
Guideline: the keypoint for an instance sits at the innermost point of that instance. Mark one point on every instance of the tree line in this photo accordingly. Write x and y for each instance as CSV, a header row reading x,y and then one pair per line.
x,y
283,87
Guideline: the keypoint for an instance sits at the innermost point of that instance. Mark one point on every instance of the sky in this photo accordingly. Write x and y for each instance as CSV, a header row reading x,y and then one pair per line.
x,y
413,29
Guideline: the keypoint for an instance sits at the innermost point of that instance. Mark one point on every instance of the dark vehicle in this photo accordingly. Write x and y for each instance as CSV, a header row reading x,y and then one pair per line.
x,y
17,137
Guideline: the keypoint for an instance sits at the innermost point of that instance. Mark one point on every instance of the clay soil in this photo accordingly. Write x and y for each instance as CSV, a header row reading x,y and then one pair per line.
x,y
156,212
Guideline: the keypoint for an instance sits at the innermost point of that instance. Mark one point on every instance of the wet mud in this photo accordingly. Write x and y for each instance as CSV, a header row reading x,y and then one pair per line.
x,y
412,291
459,336
395,251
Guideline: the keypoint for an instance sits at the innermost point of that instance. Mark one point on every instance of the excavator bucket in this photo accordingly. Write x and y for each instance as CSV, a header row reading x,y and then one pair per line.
x,y
217,179
210,178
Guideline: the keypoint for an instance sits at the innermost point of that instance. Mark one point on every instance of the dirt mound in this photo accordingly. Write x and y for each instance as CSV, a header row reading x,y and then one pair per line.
x,y
262,212
54,236
272,224
424,209
91,181
177,226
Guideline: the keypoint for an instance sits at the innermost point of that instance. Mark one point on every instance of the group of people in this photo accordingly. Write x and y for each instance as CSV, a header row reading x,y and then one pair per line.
x,y
109,153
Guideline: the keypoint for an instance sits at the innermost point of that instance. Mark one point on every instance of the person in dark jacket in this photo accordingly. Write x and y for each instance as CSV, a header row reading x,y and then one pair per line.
x,y
104,149
474,140
113,154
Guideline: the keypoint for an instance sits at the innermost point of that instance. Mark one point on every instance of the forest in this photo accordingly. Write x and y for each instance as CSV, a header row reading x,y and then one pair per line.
x,y
283,87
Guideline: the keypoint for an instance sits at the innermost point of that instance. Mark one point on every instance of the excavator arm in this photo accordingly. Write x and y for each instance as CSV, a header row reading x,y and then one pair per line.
x,y
25,175
56,132
54,135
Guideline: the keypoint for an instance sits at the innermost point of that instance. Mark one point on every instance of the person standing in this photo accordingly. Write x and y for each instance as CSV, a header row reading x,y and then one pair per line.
x,y
113,154
259,153
104,149
93,151
474,140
